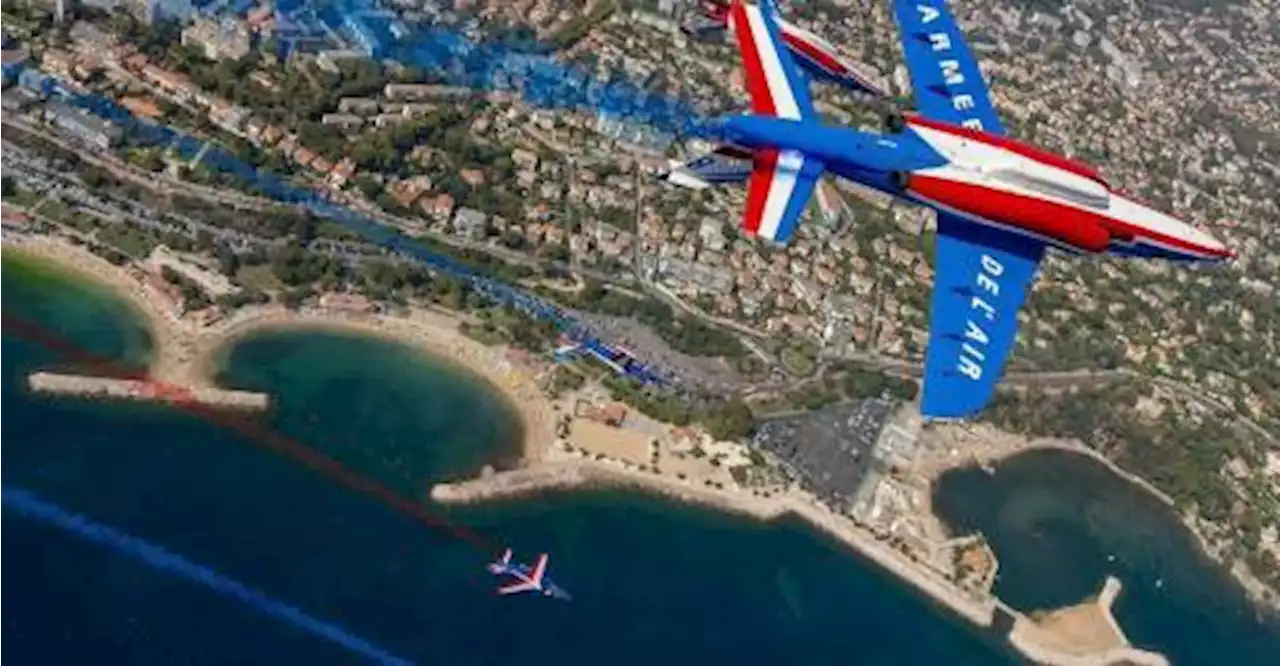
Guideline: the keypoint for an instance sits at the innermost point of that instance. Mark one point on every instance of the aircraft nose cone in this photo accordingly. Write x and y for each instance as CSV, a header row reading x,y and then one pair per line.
x,y
1213,244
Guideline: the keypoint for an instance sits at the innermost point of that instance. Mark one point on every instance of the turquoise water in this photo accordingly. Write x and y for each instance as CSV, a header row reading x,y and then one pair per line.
x,y
653,582
1061,522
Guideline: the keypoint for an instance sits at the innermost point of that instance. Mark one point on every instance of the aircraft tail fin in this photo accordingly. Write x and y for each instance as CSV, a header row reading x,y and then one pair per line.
x,y
775,84
780,186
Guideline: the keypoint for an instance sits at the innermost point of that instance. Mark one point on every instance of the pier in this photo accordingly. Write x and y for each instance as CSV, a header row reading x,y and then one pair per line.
x,y
115,388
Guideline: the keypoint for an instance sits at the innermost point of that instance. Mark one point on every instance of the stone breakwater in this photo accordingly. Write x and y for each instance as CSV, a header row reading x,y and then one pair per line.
x,y
140,390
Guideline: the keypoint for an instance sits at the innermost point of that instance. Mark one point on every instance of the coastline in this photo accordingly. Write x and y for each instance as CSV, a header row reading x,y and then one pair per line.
x,y
167,343
1026,636
561,473
186,354
423,331
985,446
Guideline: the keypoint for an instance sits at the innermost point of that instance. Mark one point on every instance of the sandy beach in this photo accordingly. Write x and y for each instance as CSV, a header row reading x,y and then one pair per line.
x,y
186,354
171,350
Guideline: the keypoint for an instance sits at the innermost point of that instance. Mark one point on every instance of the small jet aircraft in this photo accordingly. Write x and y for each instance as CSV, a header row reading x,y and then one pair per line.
x,y
527,579
1000,203
818,57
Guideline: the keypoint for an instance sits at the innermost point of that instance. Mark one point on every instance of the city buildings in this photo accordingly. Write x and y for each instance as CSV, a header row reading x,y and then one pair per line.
x,y
90,129
226,39
150,11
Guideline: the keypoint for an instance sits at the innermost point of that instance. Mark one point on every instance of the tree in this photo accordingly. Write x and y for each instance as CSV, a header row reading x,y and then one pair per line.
x,y
228,262
729,420
94,177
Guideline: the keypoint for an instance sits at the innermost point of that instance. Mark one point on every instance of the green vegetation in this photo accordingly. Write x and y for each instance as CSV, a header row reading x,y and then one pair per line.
x,y
566,378
1181,452
861,384
19,195
800,360
842,382
684,333
193,298
724,419
1179,455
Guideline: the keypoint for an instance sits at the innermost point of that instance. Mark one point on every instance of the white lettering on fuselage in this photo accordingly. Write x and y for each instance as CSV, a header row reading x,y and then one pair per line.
x,y
973,351
950,68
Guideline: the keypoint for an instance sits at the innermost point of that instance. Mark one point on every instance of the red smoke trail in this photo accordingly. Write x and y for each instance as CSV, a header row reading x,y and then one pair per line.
x,y
183,399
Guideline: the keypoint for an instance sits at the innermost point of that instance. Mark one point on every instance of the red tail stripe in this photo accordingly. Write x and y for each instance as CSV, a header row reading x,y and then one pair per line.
x,y
766,161
757,82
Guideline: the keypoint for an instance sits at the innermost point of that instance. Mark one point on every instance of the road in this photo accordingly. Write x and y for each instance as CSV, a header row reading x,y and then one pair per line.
x,y
746,334
125,171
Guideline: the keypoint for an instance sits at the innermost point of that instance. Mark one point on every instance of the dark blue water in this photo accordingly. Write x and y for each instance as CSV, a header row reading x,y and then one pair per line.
x,y
1060,523
653,582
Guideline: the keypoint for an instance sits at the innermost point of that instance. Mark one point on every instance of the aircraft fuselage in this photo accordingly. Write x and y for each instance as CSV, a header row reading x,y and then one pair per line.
x,y
987,179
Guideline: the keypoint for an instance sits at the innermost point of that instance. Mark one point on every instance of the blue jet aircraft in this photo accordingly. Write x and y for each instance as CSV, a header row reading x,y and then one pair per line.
x,y
1000,203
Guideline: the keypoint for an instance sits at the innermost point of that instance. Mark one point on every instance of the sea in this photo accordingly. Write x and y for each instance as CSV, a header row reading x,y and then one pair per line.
x,y
282,564
1061,522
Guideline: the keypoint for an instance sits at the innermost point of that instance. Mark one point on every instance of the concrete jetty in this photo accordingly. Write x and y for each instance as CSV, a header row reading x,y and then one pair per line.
x,y
115,388
1086,634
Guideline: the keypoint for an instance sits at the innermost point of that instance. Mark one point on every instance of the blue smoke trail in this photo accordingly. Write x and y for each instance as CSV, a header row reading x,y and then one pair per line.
x,y
275,188
540,79
30,505
523,68
547,83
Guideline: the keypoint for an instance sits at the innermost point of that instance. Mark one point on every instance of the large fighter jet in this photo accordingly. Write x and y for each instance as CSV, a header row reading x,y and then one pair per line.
x,y
1000,203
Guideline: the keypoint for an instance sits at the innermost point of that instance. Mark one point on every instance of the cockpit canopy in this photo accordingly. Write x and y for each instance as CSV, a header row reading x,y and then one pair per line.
x,y
1074,190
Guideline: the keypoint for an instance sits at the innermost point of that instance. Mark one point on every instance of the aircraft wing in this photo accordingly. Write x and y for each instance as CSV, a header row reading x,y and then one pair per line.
x,y
516,588
982,276
945,79
539,569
